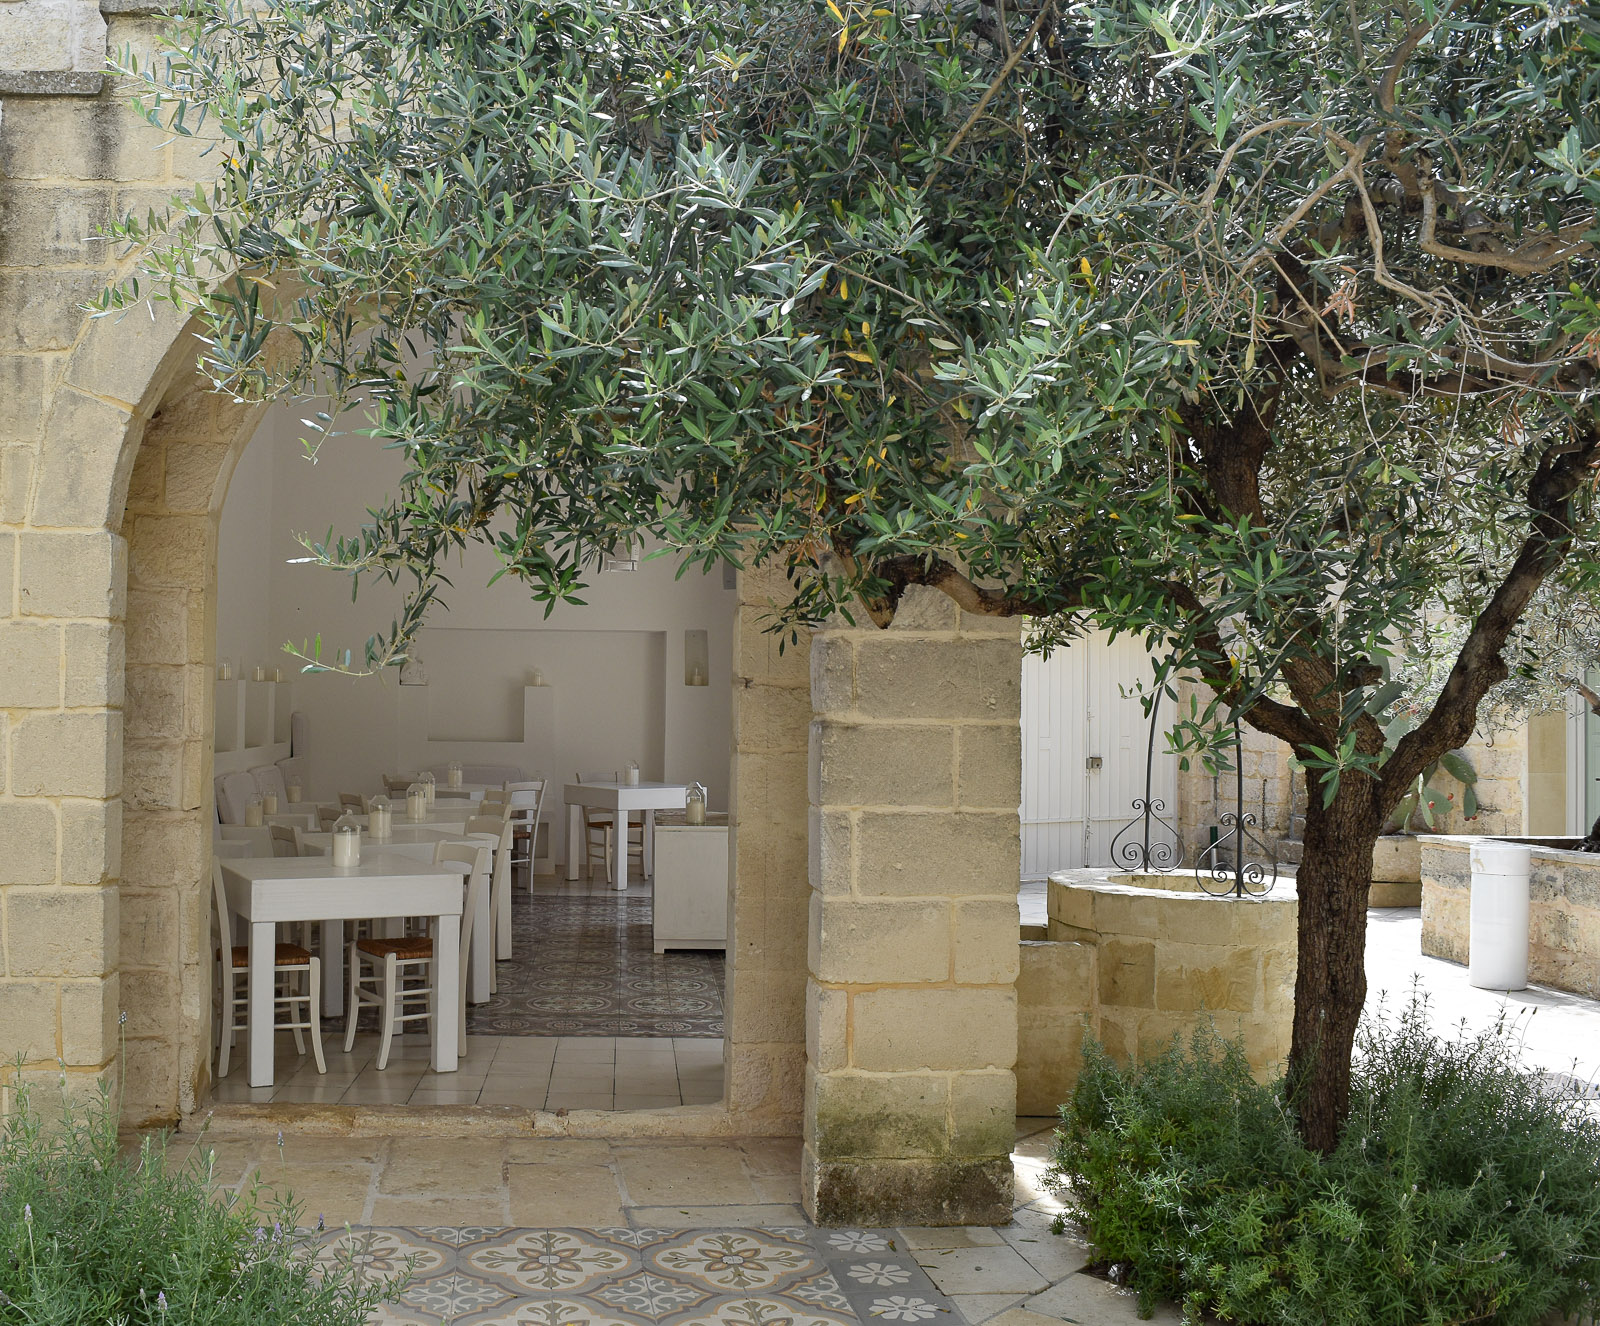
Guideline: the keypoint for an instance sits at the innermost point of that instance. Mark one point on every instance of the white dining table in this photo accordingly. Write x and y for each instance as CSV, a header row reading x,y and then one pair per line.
x,y
266,891
301,816
624,799
415,843
466,792
257,836
452,816
269,890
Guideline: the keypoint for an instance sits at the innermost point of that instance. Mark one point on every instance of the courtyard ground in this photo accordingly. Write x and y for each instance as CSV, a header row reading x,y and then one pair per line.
x,y
570,1232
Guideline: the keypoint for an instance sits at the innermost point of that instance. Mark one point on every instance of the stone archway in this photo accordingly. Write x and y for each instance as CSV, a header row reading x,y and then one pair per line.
x,y
185,458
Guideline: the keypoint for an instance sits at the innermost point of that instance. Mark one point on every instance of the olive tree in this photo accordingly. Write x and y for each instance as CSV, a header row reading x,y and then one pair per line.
x,y
1266,330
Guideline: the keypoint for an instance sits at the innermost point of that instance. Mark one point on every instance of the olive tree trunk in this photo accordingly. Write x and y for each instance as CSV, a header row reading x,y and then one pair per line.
x,y
1330,986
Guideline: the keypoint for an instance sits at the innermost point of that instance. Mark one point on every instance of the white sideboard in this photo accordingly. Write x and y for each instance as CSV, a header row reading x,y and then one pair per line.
x,y
691,886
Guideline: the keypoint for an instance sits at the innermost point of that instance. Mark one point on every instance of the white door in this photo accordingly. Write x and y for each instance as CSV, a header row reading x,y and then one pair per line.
x,y
1084,736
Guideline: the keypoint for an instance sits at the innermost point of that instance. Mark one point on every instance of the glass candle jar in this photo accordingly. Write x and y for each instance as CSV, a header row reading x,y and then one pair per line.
x,y
429,786
346,842
416,803
380,816
253,811
295,791
694,805
453,774
269,803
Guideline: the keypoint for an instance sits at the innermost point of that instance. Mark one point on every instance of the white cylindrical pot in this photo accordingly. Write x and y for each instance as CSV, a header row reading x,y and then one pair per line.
x,y
1497,952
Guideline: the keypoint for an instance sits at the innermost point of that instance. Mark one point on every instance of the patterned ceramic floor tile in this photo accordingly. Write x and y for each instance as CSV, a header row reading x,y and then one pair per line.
x,y
587,966
790,1276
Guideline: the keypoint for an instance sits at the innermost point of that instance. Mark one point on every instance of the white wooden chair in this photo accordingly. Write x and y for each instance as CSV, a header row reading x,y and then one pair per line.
x,y
525,805
600,825
392,974
501,829
285,840
291,962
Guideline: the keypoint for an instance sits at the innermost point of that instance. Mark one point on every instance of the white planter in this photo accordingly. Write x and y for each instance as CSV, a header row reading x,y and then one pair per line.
x,y
1497,946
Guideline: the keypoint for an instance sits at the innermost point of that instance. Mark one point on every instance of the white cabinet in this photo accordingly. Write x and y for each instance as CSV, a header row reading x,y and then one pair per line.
x,y
691,886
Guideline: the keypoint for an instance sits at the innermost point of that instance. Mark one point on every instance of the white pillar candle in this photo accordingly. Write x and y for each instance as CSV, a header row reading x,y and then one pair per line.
x,y
294,793
346,850
378,821
416,806
252,815
269,802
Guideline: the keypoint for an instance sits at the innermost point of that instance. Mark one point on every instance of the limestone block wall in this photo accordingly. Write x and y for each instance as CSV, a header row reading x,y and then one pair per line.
x,y
74,395
1165,959
915,857
770,894
180,474
1563,920
1056,1009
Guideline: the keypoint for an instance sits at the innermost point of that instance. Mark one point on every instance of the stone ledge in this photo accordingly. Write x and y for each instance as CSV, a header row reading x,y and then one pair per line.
x,y
136,8
50,83
908,1192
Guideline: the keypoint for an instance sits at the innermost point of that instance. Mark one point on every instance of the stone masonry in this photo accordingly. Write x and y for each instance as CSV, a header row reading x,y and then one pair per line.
x,y
911,1005
892,1034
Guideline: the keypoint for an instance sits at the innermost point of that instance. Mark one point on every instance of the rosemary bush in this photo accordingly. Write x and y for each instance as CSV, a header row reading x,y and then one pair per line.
x,y
1463,1188
92,1236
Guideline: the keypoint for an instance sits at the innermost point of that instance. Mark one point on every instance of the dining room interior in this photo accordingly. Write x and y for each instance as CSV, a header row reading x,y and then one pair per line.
x,y
584,749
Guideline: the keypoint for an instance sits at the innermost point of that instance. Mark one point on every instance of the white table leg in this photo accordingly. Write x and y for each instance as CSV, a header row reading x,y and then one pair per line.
x,y
446,992
263,950
480,957
332,968
650,844
575,839
619,836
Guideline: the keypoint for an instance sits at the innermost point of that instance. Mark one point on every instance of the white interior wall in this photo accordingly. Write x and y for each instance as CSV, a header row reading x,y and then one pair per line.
x,y
245,565
615,668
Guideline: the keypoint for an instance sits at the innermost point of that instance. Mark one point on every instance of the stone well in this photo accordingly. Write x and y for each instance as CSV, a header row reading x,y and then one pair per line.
x,y
1134,959
1564,908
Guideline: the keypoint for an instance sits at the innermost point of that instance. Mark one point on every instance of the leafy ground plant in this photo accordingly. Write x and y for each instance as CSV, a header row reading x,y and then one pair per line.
x,y
92,1234
1463,1189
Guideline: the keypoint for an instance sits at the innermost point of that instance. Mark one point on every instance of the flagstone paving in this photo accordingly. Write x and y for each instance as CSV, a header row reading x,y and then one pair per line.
x,y
585,1232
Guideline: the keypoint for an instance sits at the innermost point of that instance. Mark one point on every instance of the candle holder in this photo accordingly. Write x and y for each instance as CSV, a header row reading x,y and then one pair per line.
x,y
416,803
380,818
269,803
294,790
253,811
346,842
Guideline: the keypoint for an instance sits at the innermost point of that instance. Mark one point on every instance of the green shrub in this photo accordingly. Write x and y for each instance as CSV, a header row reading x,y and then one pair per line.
x,y
90,1236
1463,1190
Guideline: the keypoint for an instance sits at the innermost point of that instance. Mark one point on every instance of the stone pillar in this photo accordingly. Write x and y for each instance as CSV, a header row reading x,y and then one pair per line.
x,y
915,859
766,982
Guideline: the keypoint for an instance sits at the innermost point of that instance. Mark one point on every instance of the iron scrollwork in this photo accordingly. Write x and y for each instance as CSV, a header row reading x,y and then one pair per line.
x,y
1158,848
1231,864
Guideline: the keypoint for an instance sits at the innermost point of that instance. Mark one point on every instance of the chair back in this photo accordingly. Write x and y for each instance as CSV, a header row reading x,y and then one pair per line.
x,y
234,791
353,801
496,808
397,784
490,824
328,816
604,776
269,782
285,842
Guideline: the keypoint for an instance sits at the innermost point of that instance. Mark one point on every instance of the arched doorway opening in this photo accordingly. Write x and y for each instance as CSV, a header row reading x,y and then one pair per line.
x,y
188,454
